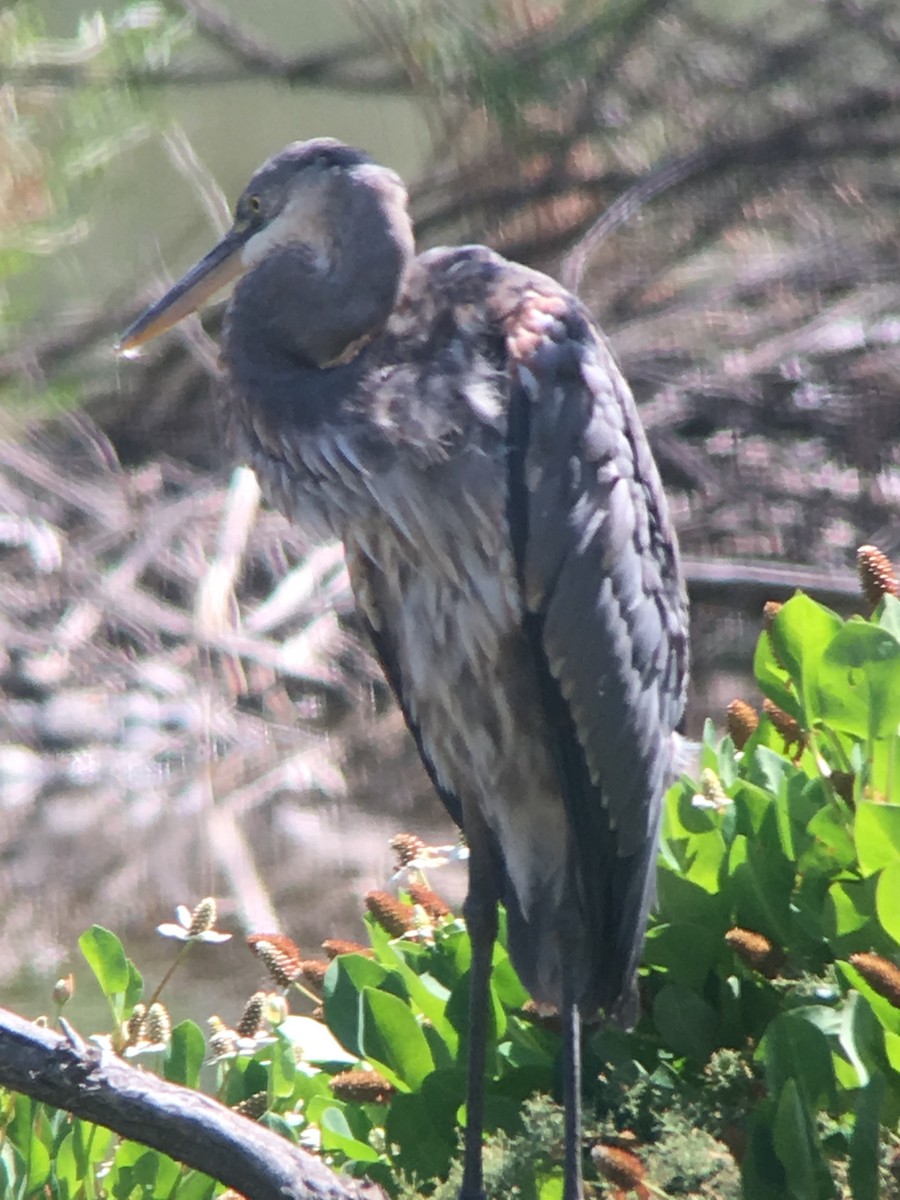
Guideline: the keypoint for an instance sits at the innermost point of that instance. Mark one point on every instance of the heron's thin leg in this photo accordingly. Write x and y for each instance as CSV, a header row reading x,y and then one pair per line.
x,y
571,1022
481,920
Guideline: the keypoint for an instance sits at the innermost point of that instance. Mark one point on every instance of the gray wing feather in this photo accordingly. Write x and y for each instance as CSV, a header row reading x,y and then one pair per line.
x,y
607,617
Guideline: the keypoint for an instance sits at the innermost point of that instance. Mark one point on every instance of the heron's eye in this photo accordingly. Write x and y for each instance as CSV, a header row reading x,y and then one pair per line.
x,y
254,205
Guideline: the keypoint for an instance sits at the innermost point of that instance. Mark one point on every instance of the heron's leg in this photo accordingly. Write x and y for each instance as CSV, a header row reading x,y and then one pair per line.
x,y
481,920
571,1022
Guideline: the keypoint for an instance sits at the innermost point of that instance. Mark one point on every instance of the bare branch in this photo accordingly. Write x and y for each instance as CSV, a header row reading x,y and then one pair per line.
x,y
187,1125
350,67
752,581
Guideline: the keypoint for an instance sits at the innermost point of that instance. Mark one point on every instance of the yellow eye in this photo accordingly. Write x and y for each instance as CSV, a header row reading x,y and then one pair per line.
x,y
253,204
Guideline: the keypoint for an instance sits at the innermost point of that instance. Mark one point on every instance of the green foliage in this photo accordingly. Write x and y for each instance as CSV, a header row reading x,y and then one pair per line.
x,y
766,1063
53,140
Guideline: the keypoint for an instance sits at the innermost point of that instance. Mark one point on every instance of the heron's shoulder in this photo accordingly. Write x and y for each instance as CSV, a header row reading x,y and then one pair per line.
x,y
483,287
461,268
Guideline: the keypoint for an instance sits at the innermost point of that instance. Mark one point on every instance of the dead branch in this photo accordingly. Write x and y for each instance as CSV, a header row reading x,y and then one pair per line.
x,y
349,67
187,1125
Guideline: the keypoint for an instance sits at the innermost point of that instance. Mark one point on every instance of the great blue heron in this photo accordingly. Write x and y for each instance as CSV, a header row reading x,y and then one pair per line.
x,y
460,423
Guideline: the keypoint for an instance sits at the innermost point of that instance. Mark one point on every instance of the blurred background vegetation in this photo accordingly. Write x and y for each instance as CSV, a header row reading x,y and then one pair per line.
x,y
181,712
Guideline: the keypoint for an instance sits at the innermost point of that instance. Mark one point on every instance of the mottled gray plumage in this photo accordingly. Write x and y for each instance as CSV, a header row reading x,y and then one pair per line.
x,y
460,423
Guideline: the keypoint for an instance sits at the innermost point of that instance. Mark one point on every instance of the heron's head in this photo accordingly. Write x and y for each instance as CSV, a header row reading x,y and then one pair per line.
x,y
327,235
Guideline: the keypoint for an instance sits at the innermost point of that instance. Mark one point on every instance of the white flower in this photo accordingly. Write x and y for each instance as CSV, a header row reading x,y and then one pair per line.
x,y
196,926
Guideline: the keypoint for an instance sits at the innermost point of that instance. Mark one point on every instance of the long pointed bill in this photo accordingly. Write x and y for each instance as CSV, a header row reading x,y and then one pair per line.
x,y
220,267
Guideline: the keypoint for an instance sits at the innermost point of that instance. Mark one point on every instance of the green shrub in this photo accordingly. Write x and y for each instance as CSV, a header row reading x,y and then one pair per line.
x,y
766,1063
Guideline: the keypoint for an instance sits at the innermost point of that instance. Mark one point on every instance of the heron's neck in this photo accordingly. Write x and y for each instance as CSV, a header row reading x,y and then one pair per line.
x,y
286,418
314,302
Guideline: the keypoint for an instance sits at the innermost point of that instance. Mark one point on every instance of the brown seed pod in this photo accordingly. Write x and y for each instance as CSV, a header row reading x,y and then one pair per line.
x,y
843,783
254,1106
135,1027
622,1168
771,609
203,917
541,1015
251,1017
312,970
877,576
436,908
741,721
334,947
278,954
880,974
393,917
735,1138
158,1024
361,1087
711,788
223,1042
785,725
408,847
756,950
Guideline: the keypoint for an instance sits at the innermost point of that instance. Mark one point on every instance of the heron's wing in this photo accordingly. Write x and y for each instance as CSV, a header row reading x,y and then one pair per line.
x,y
605,610
365,587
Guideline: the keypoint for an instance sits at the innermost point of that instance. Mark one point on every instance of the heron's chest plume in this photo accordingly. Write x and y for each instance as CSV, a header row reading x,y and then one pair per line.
x,y
415,412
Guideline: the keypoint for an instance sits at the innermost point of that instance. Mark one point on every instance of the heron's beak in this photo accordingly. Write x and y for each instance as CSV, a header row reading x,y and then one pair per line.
x,y
221,266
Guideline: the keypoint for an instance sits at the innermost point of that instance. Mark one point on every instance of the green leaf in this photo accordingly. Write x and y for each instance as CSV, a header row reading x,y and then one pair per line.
x,y
423,1124
704,854
857,681
314,1042
865,1141
168,1173
429,995
762,1174
681,817
852,1033
337,1135
887,901
687,1024
851,908
134,989
279,1125
772,678
752,801
769,769
91,1144
21,1126
887,1015
284,1066
186,1053
877,833
38,1165
684,902
760,881
66,1166
887,615
892,1053
686,951
551,1188
393,1038
345,981
799,632
796,1050
194,1186
106,958
505,981
139,1158
796,1146
884,769
832,837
